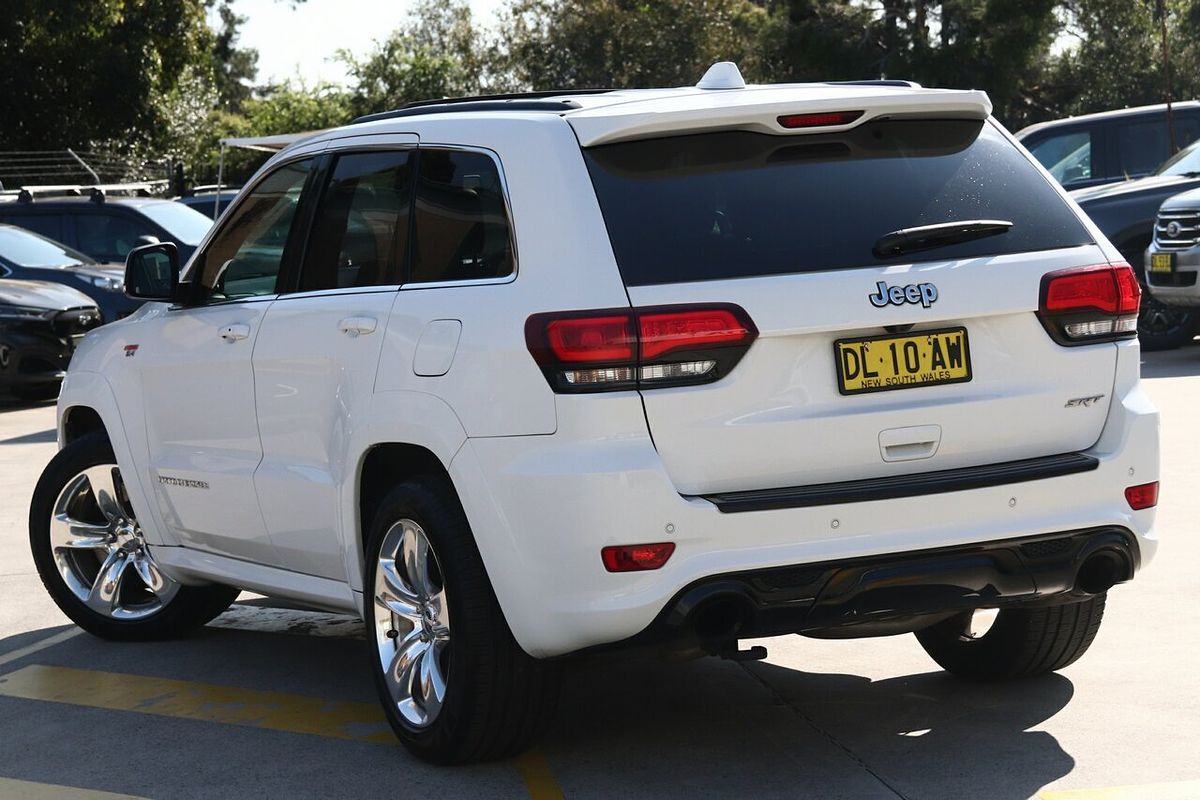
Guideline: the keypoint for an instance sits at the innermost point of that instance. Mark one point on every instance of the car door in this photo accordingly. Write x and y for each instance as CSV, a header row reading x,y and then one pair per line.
x,y
197,378
318,348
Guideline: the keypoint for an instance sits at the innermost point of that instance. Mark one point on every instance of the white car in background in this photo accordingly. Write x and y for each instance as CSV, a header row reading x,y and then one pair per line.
x,y
514,378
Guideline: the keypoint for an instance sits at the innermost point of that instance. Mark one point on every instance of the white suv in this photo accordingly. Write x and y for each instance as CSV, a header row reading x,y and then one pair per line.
x,y
515,378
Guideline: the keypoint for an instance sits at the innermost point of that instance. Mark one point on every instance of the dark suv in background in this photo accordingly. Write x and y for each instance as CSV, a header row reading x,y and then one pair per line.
x,y
107,228
1111,146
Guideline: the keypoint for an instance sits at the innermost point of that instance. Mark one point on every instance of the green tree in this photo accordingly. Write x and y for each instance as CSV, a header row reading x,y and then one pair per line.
x,y
234,68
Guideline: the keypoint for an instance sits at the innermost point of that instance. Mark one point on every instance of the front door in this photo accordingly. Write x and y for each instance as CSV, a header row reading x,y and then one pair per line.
x,y
317,353
197,378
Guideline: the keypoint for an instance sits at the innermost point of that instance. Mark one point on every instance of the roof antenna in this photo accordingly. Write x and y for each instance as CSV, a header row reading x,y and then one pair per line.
x,y
722,75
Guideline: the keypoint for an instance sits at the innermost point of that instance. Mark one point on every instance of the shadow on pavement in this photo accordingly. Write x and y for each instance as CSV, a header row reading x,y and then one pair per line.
x,y
40,437
1180,363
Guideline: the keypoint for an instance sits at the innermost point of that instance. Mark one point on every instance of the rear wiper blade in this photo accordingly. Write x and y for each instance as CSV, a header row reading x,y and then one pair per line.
x,y
927,237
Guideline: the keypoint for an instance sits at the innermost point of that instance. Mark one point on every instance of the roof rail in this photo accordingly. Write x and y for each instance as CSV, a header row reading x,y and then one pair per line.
x,y
522,101
879,82
97,192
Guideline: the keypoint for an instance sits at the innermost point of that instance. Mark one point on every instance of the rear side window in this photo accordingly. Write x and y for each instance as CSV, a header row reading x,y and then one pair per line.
x,y
738,204
1142,146
360,233
48,225
109,237
462,230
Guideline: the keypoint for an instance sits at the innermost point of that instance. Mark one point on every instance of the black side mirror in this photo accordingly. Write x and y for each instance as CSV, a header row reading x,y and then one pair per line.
x,y
152,272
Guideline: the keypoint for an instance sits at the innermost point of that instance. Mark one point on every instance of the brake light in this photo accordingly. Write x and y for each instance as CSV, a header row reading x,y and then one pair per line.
x,y
636,557
1144,495
822,119
1090,304
612,349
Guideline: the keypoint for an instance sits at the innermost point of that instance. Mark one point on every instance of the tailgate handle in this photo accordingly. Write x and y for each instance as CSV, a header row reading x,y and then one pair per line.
x,y
909,444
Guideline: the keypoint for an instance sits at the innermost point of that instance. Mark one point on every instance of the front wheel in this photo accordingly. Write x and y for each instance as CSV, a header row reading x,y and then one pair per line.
x,y
1164,327
454,684
1019,643
93,559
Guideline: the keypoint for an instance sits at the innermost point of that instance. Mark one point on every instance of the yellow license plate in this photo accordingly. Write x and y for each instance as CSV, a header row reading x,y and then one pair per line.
x,y
1162,262
880,364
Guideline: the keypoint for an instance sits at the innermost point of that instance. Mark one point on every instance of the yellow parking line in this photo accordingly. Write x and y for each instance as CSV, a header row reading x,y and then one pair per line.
x,y
11,789
171,698
1183,790
278,711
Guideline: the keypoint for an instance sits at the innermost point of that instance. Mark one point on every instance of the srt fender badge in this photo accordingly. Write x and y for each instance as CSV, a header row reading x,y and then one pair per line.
x,y
1083,402
924,293
131,350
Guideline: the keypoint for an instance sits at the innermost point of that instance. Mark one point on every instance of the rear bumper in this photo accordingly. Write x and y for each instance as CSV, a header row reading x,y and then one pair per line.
x,y
883,595
542,507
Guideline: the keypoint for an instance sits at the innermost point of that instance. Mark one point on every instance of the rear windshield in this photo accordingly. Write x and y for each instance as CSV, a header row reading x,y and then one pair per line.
x,y
737,204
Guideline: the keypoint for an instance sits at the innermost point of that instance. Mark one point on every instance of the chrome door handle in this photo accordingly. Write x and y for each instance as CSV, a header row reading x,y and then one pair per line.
x,y
357,326
232,333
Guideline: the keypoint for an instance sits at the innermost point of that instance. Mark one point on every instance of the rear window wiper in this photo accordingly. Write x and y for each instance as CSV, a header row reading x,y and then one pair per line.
x,y
928,237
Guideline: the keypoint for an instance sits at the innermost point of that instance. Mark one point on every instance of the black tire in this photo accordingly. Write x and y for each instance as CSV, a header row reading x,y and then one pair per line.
x,y
189,608
496,695
1021,642
1164,327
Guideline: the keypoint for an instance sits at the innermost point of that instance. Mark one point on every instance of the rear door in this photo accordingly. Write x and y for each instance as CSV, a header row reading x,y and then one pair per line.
x,y
867,364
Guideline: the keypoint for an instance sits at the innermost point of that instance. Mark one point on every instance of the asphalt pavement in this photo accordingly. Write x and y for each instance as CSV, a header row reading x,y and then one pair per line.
x,y
273,701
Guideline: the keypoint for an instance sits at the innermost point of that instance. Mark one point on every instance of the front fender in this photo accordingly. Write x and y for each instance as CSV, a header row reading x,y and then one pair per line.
x,y
83,389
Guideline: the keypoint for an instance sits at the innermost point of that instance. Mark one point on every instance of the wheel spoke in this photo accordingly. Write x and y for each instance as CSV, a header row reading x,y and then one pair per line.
x,y
66,532
415,549
104,488
148,571
433,683
442,606
404,664
107,588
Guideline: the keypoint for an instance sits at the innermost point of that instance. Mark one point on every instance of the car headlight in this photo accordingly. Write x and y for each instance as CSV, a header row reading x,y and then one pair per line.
x,y
105,282
23,314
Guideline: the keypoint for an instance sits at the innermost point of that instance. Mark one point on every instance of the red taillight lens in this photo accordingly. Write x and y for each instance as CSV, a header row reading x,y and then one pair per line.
x,y
588,339
636,557
819,120
664,331
1144,495
591,351
1090,304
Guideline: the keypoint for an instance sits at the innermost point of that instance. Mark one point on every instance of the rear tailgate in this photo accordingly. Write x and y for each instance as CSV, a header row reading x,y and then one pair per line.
x,y
785,226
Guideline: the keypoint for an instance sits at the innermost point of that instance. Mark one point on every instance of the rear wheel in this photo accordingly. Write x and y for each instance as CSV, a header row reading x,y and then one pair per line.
x,y
455,685
1018,643
93,558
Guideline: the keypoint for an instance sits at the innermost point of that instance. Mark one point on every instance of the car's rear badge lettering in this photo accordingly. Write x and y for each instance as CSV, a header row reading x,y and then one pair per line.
x,y
924,293
131,350
184,482
1084,402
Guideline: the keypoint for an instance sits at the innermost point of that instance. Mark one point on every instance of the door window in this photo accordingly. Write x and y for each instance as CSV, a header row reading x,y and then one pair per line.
x,y
48,225
360,236
109,237
1142,146
461,229
1068,156
244,257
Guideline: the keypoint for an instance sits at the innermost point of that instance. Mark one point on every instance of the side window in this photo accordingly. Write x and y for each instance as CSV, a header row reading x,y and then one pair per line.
x,y
108,237
360,236
1067,156
461,229
48,225
245,255
1141,147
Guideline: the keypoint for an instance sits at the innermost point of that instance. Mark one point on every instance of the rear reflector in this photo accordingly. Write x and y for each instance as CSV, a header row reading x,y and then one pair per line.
x,y
822,119
636,557
1090,304
1144,495
631,348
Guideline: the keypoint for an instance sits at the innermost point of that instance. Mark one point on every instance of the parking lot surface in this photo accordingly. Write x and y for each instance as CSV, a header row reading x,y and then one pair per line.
x,y
278,702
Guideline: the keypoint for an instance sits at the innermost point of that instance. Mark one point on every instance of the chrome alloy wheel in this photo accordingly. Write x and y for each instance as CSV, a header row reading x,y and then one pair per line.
x,y
412,623
97,544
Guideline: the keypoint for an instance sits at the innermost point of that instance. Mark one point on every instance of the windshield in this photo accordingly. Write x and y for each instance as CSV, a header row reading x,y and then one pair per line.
x,y
185,224
735,204
27,249
1185,161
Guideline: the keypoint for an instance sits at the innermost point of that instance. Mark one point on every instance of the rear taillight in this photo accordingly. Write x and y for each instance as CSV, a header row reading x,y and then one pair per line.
x,y
638,348
1144,495
1090,304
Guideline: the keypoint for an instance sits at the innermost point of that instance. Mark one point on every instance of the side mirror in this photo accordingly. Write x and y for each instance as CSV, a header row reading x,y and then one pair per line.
x,y
147,239
152,272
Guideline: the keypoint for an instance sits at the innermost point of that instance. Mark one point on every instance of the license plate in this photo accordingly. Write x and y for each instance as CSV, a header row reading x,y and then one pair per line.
x,y
883,363
1162,262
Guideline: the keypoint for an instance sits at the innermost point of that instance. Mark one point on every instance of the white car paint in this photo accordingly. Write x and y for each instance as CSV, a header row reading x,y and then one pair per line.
x,y
277,424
